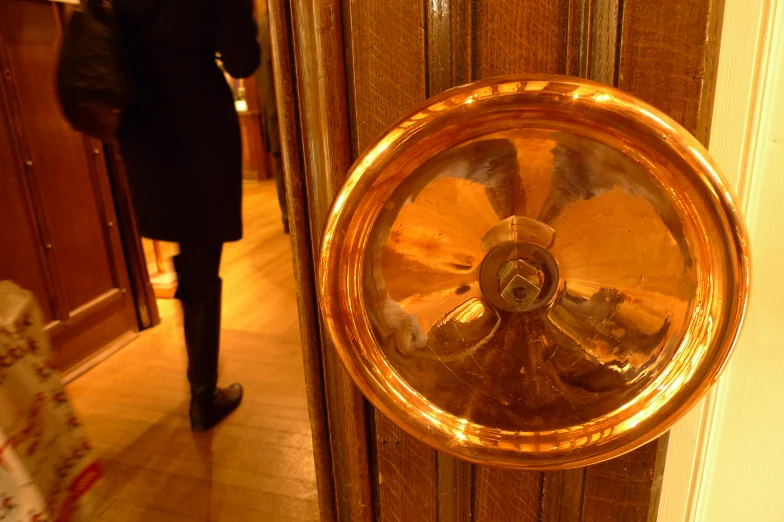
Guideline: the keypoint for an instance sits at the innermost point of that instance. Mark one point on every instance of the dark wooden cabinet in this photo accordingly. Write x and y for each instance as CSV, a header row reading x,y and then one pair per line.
x,y
59,236
346,70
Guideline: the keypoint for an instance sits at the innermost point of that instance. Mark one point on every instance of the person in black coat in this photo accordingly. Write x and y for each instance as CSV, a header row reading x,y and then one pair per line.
x,y
181,145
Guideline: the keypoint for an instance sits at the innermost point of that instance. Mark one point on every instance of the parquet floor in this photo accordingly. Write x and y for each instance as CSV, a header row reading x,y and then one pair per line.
x,y
258,465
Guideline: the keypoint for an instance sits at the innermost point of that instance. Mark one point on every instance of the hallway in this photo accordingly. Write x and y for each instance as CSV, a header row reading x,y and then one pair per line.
x,y
258,465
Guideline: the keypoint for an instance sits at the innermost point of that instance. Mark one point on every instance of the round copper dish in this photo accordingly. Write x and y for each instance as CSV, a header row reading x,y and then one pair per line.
x,y
534,272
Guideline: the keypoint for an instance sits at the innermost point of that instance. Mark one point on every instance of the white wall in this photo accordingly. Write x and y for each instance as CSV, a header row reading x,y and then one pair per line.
x,y
726,458
744,465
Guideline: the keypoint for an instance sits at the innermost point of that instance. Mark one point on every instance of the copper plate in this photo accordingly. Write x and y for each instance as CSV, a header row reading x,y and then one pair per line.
x,y
534,272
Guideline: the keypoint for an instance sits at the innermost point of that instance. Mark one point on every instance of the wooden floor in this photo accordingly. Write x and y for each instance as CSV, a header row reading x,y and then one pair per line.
x,y
258,465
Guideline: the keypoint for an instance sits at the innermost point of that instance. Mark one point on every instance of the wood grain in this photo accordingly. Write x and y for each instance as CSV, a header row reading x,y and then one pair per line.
x,y
259,463
387,76
14,14
252,146
25,263
301,246
57,153
605,36
578,37
406,476
562,496
438,36
623,488
321,91
386,64
509,496
668,57
518,37
455,479
665,51
462,21
713,30
448,52
139,278
68,191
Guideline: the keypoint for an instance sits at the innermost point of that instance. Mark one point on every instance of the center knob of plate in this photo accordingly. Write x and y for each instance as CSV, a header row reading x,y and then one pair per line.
x,y
518,273
520,282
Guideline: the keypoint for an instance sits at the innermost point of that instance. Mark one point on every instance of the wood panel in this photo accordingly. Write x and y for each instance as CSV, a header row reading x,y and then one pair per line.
x,y
665,54
605,32
386,64
396,54
254,155
252,146
141,286
625,488
454,489
517,37
669,57
31,33
23,258
406,475
511,496
578,32
562,495
287,104
68,190
387,75
322,91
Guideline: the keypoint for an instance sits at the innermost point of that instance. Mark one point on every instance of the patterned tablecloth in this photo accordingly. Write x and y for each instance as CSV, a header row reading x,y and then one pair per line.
x,y
47,469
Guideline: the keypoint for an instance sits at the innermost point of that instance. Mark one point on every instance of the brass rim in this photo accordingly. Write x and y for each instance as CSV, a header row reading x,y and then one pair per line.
x,y
713,229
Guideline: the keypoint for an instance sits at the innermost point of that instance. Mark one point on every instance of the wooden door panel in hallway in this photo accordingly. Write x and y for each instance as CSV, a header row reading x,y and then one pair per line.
x,y
258,465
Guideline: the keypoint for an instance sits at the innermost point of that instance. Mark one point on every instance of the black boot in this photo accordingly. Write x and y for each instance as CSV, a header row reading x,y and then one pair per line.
x,y
201,310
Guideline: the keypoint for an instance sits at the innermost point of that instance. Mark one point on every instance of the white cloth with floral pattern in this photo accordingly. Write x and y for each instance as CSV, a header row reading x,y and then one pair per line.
x,y
47,468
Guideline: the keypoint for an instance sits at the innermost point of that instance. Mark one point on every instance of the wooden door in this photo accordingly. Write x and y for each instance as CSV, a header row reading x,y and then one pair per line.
x,y
347,70
60,236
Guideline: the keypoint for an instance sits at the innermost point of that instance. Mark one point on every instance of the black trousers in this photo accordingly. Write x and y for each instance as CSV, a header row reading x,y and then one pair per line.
x,y
199,291
198,265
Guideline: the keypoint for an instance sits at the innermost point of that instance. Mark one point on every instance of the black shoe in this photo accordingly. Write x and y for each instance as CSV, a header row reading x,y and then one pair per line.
x,y
206,414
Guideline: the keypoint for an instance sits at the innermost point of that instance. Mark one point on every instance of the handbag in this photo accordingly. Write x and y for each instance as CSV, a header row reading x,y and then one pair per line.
x,y
93,86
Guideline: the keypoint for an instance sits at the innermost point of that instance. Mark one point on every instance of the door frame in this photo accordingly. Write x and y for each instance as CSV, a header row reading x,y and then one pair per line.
x,y
144,297
746,63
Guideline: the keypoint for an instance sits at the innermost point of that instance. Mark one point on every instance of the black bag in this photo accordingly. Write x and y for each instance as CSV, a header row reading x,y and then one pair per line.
x,y
93,86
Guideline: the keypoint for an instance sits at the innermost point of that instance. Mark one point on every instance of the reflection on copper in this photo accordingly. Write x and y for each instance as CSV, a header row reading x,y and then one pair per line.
x,y
534,272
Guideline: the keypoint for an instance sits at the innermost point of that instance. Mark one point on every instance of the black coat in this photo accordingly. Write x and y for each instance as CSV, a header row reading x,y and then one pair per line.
x,y
180,140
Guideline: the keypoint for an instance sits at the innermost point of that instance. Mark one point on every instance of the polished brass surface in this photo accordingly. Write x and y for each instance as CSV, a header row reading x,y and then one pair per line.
x,y
534,272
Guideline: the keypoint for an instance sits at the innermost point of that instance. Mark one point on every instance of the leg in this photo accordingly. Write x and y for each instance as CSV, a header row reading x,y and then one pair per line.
x,y
199,292
280,182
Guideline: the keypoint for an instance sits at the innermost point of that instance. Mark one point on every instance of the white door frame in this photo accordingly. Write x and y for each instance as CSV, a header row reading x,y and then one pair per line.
x,y
750,77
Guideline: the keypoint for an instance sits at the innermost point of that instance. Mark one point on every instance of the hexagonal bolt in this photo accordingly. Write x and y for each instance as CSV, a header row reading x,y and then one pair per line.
x,y
519,283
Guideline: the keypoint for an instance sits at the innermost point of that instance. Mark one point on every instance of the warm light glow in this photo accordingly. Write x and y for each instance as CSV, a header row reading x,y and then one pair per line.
x,y
470,311
653,116
505,88
536,86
